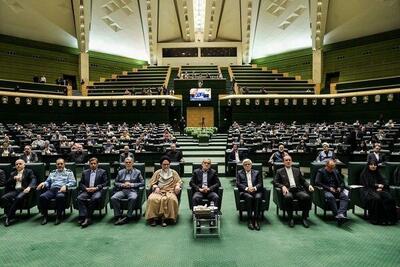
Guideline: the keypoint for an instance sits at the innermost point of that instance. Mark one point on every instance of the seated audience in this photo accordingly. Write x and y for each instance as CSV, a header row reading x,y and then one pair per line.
x,y
250,185
57,184
125,154
6,149
38,143
21,181
91,184
127,184
333,184
162,203
28,156
77,154
174,154
375,194
293,185
325,154
205,184
376,155
278,155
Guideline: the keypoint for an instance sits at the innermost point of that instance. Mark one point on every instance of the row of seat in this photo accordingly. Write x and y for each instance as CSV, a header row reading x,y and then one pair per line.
x,y
353,181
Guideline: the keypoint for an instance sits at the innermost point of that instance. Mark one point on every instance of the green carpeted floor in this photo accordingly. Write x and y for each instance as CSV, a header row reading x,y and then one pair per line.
x,y
357,243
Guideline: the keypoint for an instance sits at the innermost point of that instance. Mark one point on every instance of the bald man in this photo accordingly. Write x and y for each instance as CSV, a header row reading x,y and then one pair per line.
x,y
18,186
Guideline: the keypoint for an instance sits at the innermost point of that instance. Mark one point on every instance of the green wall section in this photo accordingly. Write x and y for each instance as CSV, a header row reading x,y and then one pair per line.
x,y
103,65
22,62
296,63
362,58
21,59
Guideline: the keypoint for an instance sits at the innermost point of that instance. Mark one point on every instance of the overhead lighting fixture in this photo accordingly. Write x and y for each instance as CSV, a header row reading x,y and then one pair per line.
x,y
199,12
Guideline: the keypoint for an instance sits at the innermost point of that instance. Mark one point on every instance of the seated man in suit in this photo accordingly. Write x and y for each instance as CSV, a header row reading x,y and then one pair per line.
x,y
332,182
77,154
376,155
57,185
293,186
205,184
28,155
175,155
125,154
236,155
278,155
127,184
250,185
92,182
18,186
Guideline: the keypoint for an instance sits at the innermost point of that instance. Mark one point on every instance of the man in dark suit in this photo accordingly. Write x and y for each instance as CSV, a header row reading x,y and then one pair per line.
x,y
125,154
332,182
2,178
376,155
236,155
18,186
127,184
250,185
175,155
91,186
205,184
28,155
293,186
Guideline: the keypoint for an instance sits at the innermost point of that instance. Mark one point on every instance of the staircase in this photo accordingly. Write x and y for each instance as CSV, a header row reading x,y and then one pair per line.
x,y
194,154
172,76
225,74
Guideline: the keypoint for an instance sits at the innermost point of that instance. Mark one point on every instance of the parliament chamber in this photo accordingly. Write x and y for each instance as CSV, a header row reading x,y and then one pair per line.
x,y
199,133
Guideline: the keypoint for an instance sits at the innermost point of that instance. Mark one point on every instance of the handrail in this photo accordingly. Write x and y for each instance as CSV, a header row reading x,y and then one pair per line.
x,y
166,81
320,96
50,84
371,79
108,97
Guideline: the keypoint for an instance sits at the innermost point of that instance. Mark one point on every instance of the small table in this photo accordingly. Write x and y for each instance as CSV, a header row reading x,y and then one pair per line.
x,y
206,222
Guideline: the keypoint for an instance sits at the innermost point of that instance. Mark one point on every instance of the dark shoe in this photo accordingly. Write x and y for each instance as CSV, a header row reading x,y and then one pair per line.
x,y
86,223
58,221
163,223
291,223
250,226
153,223
44,220
121,221
257,226
305,223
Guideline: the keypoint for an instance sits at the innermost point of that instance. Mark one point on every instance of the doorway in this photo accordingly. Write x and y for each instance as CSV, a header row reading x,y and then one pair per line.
x,y
330,77
71,80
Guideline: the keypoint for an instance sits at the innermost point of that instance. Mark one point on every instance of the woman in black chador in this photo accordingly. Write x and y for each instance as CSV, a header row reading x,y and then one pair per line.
x,y
380,204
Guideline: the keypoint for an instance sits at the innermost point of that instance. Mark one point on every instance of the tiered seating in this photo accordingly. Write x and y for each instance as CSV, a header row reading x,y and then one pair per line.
x,y
152,77
254,80
367,85
29,87
198,72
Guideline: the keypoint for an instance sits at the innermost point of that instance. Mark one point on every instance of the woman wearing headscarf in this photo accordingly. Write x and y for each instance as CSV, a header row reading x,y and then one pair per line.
x,y
162,203
380,204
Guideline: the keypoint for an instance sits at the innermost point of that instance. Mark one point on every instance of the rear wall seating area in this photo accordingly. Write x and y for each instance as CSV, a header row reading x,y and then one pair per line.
x,y
369,84
29,87
258,81
152,77
199,72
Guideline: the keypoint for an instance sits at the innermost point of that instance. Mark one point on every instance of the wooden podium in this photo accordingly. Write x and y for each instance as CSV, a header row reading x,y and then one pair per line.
x,y
195,115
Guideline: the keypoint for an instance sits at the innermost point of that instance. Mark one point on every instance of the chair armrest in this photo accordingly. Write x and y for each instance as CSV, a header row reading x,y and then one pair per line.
x,y
237,197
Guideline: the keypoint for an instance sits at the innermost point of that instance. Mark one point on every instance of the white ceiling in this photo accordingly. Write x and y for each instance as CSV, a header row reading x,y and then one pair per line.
x,y
117,27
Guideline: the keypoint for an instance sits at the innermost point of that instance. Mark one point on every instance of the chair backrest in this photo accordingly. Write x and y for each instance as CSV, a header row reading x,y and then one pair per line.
x,y
355,170
314,167
174,165
6,167
105,166
198,165
388,171
39,169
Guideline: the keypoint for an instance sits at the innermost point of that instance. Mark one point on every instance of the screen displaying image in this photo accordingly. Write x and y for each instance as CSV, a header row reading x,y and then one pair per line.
x,y
200,94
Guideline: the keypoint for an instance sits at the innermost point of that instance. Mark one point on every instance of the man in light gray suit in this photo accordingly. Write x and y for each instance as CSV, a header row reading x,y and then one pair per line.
x,y
127,184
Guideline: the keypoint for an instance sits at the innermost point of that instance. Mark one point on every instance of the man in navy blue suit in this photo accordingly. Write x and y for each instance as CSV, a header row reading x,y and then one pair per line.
x,y
92,183
250,185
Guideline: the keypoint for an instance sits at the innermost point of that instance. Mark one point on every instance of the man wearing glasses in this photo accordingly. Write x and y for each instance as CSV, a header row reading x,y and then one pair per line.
x,y
18,186
293,186
250,185
57,185
205,184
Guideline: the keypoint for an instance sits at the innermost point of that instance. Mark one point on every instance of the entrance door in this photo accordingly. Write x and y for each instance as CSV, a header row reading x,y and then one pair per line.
x,y
71,80
200,116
